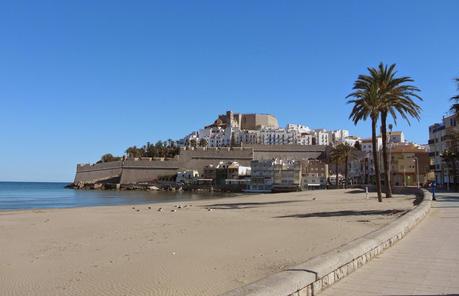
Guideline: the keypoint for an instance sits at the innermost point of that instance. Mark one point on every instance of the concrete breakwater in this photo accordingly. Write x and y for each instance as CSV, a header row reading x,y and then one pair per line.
x,y
133,171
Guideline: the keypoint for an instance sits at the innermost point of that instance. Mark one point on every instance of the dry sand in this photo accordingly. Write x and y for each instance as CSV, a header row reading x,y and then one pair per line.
x,y
124,251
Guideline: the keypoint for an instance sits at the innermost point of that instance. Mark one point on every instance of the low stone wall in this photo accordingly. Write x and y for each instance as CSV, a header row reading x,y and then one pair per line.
x,y
316,274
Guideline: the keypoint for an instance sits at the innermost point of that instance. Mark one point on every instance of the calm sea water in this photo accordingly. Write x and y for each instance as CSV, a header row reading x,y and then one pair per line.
x,y
32,195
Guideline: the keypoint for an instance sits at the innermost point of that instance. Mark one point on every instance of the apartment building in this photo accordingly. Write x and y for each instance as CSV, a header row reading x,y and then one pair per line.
x,y
442,137
409,165
314,174
275,175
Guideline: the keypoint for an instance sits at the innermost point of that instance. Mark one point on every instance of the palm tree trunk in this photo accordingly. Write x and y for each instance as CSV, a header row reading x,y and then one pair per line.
x,y
453,174
385,158
375,157
336,174
346,172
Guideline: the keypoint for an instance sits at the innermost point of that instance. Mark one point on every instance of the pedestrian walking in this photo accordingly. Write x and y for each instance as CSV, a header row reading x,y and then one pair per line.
x,y
434,186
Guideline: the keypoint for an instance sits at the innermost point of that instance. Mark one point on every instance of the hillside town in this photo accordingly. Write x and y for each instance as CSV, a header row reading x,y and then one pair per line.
x,y
252,153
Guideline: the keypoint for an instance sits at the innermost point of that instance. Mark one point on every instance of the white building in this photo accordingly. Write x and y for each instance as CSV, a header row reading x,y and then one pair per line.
x,y
275,175
351,140
338,136
395,137
262,177
226,131
186,176
321,137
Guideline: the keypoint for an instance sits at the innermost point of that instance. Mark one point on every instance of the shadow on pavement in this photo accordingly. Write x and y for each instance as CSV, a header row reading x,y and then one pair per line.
x,y
447,199
345,213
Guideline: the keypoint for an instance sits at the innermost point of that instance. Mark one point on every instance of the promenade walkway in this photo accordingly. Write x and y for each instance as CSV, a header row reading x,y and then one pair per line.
x,y
426,262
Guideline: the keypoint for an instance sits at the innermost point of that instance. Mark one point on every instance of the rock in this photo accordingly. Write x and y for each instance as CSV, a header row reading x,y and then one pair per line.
x,y
160,209
149,208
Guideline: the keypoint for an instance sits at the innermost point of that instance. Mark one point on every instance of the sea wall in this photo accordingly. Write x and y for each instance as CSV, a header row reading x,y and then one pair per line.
x,y
132,171
98,172
135,171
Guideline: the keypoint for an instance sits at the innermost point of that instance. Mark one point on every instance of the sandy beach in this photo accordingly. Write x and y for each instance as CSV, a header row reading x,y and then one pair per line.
x,y
203,248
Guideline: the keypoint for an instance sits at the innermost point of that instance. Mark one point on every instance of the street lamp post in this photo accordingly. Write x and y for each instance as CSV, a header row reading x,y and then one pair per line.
x,y
389,169
404,177
416,160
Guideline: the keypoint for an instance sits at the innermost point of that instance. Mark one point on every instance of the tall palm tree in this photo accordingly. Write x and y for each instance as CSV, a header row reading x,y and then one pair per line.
x,y
336,157
367,104
347,152
397,98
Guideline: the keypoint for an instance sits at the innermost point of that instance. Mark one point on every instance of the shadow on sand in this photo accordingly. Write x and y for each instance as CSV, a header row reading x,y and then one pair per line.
x,y
355,191
345,213
247,205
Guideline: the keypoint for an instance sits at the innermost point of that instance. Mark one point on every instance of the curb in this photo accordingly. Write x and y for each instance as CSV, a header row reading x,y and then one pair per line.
x,y
316,274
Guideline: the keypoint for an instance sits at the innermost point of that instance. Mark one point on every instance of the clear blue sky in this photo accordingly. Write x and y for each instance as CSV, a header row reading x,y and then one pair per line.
x,y
82,78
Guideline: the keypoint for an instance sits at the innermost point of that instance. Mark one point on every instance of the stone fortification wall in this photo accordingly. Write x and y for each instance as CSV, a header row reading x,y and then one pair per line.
x,y
98,172
256,121
142,170
225,153
295,152
135,171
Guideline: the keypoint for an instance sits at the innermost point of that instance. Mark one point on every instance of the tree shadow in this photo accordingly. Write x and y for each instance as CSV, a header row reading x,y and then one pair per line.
x,y
247,205
345,213
355,191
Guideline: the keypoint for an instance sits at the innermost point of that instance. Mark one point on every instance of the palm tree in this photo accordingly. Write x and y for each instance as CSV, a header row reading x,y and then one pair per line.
x,y
135,152
203,142
336,157
193,143
367,104
348,152
397,98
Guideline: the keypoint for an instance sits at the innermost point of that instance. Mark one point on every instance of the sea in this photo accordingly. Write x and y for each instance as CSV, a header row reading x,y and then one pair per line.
x,y
42,195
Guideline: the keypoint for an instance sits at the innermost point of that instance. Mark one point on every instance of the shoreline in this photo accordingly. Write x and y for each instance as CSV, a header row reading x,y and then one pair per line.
x,y
206,247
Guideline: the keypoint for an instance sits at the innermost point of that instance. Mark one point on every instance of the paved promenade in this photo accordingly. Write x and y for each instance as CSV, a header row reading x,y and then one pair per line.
x,y
426,262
